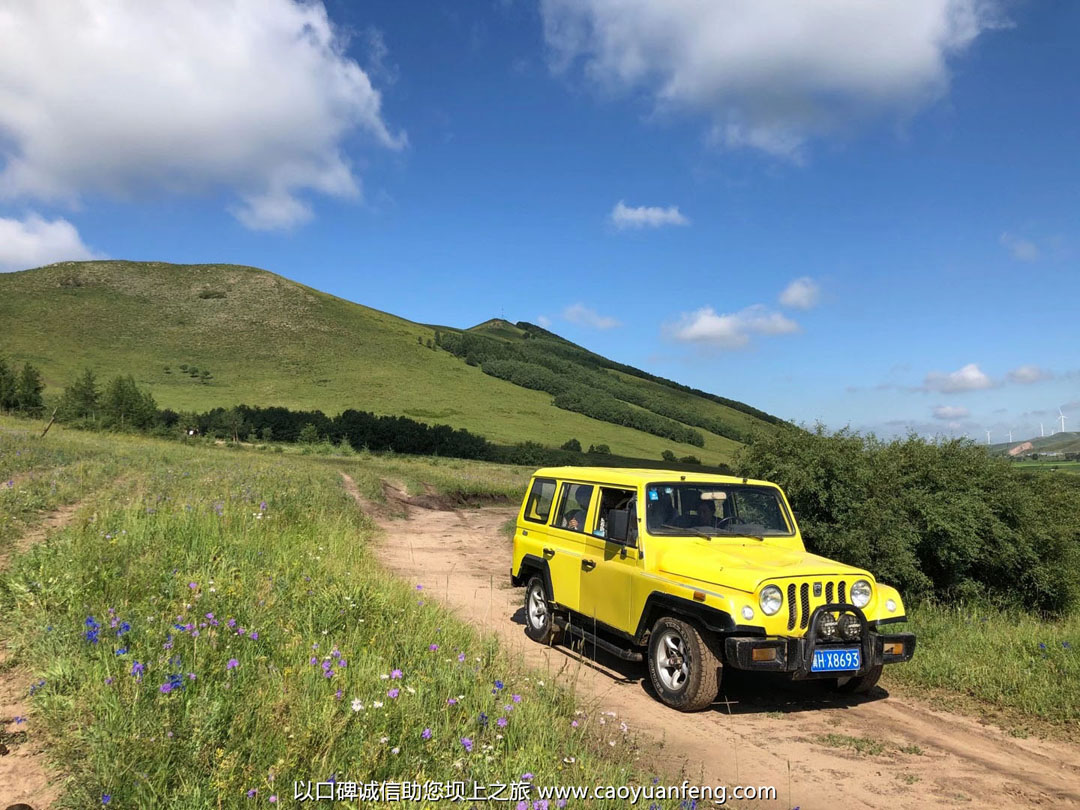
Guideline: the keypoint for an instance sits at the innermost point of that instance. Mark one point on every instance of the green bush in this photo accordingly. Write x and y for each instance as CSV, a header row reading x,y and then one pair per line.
x,y
937,519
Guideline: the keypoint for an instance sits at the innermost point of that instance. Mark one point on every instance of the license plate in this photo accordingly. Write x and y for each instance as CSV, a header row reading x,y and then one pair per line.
x,y
838,660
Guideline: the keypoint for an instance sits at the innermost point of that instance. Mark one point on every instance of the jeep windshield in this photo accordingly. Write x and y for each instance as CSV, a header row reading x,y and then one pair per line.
x,y
715,510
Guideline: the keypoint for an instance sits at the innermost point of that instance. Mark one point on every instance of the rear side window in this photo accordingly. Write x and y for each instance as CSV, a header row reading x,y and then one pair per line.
x,y
538,503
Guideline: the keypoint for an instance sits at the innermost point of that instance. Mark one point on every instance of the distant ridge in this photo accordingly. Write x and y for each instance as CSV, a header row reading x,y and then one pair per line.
x,y
211,335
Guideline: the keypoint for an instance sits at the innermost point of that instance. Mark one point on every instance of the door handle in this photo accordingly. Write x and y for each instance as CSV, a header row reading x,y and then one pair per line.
x,y
588,565
549,552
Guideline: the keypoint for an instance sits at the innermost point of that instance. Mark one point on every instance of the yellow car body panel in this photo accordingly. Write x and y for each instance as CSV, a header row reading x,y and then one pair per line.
x,y
612,582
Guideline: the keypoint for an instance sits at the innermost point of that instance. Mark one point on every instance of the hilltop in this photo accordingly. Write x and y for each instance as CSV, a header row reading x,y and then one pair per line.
x,y
201,336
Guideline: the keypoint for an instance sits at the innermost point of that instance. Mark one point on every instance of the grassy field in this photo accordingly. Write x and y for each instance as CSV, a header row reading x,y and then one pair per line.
x,y
988,660
269,341
211,628
1072,467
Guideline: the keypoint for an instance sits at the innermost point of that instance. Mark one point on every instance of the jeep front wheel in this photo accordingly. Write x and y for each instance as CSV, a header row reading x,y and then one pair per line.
x,y
539,623
683,667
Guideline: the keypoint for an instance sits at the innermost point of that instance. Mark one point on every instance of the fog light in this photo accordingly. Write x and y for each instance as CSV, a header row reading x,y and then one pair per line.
x,y
763,654
827,625
894,648
850,626
747,612
890,605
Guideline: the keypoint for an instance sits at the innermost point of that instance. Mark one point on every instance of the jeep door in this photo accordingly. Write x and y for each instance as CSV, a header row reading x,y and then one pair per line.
x,y
558,545
609,567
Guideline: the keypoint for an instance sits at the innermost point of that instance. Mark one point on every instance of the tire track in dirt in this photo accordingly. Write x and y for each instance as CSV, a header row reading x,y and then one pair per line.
x,y
23,773
761,732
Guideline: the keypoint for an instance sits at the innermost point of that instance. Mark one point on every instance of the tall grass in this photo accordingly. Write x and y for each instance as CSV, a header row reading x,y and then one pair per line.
x,y
1003,658
215,627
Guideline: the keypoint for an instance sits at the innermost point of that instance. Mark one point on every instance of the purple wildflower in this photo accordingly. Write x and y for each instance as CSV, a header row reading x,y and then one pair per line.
x,y
137,670
501,722
466,743
527,777
393,693
165,688
433,647
426,733
251,793
233,664
395,674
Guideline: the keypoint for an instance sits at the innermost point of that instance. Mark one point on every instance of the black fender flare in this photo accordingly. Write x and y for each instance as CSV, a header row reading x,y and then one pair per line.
x,y
665,604
532,565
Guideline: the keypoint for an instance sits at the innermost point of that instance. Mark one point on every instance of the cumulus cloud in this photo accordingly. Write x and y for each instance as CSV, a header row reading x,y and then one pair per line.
x,y
1023,250
968,378
1028,374
951,412
645,216
584,316
253,97
731,330
544,321
33,241
769,76
802,293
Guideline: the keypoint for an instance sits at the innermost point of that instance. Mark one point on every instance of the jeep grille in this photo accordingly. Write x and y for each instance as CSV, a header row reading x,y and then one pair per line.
x,y
801,601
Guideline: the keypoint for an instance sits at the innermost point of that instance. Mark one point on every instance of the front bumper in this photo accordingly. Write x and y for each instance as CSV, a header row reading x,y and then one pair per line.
x,y
795,655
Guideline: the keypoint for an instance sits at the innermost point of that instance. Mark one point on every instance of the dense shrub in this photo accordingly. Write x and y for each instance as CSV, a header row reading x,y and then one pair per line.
x,y
940,519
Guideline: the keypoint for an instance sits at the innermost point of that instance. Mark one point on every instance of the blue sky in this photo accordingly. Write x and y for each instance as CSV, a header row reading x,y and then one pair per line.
x,y
859,213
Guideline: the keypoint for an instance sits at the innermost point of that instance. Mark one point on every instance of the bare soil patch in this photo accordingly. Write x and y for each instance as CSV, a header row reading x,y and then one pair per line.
x,y
23,773
797,737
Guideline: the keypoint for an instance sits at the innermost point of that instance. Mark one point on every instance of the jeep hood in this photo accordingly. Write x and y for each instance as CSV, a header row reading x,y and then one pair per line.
x,y
745,566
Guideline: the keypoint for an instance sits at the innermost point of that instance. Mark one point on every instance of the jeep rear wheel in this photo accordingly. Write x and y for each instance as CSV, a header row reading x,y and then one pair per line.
x,y
539,618
683,668
859,684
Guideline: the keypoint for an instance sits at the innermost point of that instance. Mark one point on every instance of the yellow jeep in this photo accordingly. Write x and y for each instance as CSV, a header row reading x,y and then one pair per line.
x,y
696,572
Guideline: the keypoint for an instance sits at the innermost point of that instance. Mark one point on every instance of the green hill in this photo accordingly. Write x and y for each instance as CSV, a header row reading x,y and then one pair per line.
x,y
266,340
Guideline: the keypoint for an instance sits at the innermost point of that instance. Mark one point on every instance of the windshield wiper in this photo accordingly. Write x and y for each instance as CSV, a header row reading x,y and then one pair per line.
x,y
725,533
683,529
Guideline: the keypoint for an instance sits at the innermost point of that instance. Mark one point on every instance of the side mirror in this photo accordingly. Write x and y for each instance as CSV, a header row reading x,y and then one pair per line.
x,y
619,522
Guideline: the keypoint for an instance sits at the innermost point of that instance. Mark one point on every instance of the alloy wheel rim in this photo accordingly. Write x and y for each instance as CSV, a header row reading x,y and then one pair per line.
x,y
537,608
672,661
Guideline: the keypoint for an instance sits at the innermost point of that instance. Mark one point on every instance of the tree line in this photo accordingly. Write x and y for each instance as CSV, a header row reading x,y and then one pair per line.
x,y
938,519
579,381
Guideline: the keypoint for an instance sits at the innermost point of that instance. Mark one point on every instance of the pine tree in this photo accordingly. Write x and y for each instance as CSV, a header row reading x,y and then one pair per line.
x,y
28,388
81,399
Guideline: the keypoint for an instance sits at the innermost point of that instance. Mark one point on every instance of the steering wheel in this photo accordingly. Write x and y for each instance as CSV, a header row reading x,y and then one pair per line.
x,y
723,522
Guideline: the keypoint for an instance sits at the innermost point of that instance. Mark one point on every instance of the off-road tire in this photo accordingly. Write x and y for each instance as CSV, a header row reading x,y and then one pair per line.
x,y
859,684
688,688
539,616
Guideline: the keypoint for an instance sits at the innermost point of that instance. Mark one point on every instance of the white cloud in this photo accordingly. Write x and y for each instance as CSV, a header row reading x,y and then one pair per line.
x,y
1023,250
254,97
951,412
645,216
968,378
33,242
583,316
769,75
802,293
544,321
732,330
1029,374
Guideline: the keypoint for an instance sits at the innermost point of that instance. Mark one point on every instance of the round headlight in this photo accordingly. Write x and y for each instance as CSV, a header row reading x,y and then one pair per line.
x,y
747,612
771,599
860,593
890,605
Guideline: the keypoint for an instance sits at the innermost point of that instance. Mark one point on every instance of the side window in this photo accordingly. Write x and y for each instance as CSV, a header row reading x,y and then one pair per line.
x,y
541,496
611,498
574,506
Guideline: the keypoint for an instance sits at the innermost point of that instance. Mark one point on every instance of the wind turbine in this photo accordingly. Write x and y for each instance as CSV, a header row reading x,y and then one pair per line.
x,y
1042,430
1010,437
1061,416
988,438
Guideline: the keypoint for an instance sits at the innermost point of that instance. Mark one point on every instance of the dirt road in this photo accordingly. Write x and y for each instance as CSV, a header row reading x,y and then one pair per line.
x,y
773,733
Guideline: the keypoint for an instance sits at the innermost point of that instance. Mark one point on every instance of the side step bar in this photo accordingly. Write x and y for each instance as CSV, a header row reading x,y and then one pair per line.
x,y
603,644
